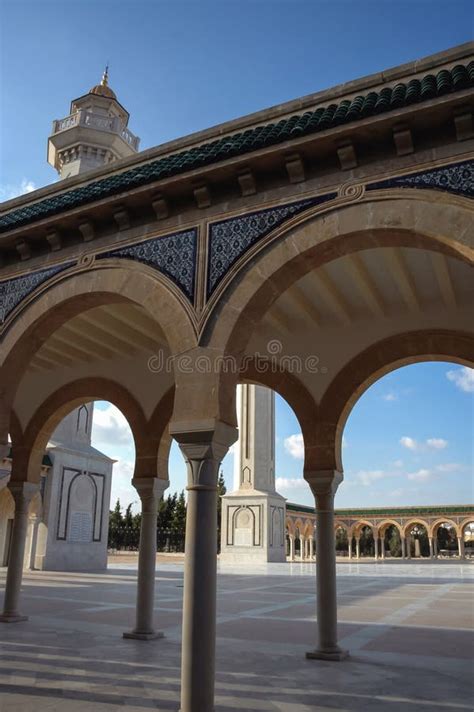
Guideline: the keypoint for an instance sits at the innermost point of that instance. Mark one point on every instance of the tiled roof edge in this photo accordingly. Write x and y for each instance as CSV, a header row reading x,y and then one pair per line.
x,y
416,91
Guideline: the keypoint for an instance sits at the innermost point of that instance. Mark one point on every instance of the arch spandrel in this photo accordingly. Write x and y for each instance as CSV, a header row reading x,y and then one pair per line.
x,y
416,521
438,223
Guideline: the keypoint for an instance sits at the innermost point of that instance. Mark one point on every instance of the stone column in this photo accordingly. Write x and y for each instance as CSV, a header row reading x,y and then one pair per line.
x,y
403,545
302,551
324,485
35,522
408,546
311,548
292,547
435,546
203,449
376,548
22,493
349,547
382,548
461,547
430,543
151,490
357,547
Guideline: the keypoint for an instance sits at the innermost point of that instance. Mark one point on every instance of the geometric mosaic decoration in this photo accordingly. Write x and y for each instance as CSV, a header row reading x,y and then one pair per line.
x,y
13,291
457,178
230,239
174,255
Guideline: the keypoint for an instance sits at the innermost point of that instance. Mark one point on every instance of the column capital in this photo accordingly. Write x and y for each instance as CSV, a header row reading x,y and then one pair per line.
x,y
150,486
323,482
23,493
203,444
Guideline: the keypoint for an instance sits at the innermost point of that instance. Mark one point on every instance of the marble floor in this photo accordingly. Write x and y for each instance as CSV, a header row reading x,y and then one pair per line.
x,y
409,629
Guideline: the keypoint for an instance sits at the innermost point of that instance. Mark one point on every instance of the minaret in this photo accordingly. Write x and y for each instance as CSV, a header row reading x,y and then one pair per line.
x,y
94,134
253,515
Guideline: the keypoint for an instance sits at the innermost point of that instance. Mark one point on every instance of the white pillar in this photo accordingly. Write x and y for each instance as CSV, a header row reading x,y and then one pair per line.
x,y
311,548
357,547
435,546
35,522
461,547
254,484
403,545
430,543
408,546
324,485
376,551
22,493
382,547
349,546
302,552
151,490
292,547
203,449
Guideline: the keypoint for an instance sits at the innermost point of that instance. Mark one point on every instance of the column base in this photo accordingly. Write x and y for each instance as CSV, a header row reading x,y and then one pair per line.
x,y
12,618
330,655
136,635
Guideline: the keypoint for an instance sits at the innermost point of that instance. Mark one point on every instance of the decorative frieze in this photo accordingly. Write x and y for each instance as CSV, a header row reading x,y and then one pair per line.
x,y
173,255
13,291
230,239
456,178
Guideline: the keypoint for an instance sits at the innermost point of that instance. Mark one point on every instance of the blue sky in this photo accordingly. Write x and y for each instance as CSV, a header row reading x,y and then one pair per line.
x,y
183,66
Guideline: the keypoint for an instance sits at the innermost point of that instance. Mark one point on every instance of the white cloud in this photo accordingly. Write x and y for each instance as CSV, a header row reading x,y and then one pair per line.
x,y
122,487
409,443
390,397
284,484
436,443
450,467
367,477
422,475
9,190
463,378
110,427
429,444
294,446
398,463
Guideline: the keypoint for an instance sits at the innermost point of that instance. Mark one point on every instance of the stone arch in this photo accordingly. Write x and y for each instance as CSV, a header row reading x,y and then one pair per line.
x,y
383,526
290,526
79,291
413,522
438,222
373,363
433,529
28,454
463,525
360,524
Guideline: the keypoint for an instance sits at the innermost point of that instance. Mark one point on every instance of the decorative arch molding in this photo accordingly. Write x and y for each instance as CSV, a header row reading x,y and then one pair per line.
x,y
361,524
383,526
171,258
397,218
462,525
413,522
85,290
433,529
28,454
369,366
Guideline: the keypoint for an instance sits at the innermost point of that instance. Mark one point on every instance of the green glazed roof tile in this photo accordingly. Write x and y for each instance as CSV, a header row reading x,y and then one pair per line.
x,y
444,82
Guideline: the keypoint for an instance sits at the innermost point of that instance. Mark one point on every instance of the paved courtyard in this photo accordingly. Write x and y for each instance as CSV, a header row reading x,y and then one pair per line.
x,y
409,628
